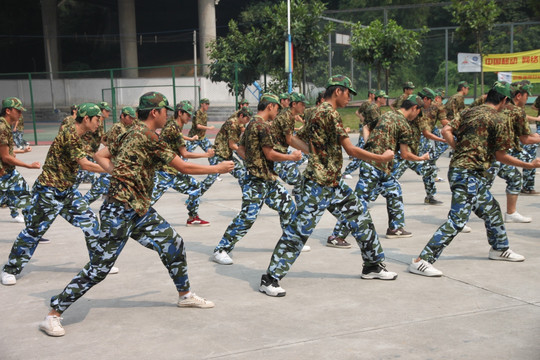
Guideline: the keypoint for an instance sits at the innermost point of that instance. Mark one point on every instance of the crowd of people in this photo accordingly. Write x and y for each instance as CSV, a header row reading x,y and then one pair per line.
x,y
145,153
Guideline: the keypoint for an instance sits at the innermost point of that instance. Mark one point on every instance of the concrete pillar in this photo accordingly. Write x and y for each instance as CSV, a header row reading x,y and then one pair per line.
x,y
50,33
128,38
207,27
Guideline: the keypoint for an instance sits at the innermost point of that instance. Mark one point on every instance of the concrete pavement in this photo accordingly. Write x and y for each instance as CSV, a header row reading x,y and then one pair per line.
x,y
479,309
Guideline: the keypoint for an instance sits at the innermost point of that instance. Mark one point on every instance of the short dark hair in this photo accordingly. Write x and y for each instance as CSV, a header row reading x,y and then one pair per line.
x,y
320,98
263,105
331,90
460,87
79,119
494,97
3,111
143,114
407,104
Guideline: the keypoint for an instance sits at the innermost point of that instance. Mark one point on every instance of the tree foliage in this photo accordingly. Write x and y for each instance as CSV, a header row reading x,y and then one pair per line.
x,y
384,46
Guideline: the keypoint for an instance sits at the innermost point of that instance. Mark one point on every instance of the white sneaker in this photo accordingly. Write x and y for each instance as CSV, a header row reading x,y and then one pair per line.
x,y
18,219
466,229
347,176
516,218
423,268
8,279
114,270
270,286
219,178
221,257
507,255
52,326
194,301
306,248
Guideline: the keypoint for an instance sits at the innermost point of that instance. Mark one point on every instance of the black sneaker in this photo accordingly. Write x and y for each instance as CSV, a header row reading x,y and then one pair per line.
x,y
337,242
270,286
430,200
397,233
377,272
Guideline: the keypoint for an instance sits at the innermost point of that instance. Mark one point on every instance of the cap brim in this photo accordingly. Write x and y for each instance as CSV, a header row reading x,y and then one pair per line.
x,y
351,90
21,108
168,107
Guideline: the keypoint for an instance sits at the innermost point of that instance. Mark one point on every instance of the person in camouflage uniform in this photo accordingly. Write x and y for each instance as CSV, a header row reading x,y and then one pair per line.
x,y
408,89
529,153
18,133
283,131
361,114
519,132
421,129
100,183
199,127
54,193
323,188
481,136
479,101
456,103
132,161
226,144
169,177
260,184
393,132
14,190
70,119
284,101
437,119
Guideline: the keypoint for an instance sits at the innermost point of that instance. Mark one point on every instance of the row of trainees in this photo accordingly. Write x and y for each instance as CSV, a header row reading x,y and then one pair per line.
x,y
133,158
425,130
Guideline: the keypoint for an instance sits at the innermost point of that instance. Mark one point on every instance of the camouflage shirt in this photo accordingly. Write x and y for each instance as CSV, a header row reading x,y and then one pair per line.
x,y
478,101
537,105
400,100
200,118
115,131
257,135
61,165
230,131
454,105
431,116
68,120
92,140
282,126
480,132
361,110
392,130
6,138
135,157
172,135
372,113
517,124
20,124
322,133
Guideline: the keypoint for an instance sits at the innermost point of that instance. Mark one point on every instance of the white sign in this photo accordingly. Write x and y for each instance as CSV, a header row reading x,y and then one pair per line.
x,y
343,39
504,76
469,62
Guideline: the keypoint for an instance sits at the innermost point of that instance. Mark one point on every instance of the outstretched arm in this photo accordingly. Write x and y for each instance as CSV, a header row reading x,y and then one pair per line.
x,y
362,154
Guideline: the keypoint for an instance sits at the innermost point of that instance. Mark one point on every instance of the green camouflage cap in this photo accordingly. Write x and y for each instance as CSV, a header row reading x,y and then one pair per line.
x,y
416,100
408,85
204,101
12,102
341,80
440,92
427,92
503,88
380,93
372,91
128,110
284,96
464,83
154,100
271,98
246,112
244,101
522,86
89,109
296,97
104,106
185,106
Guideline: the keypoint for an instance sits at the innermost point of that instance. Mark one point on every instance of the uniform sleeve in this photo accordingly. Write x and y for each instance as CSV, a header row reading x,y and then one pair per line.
x,y
338,125
233,132
162,151
372,117
265,136
76,147
521,125
4,134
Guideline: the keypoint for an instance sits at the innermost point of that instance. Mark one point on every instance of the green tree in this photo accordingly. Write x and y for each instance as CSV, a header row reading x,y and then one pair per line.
x,y
384,46
235,59
475,17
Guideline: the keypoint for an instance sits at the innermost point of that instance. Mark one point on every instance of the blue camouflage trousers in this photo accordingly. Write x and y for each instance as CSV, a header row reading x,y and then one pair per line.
x,y
239,172
371,183
19,140
100,186
289,172
355,162
118,223
529,153
15,192
509,173
344,205
469,193
204,144
255,193
47,204
183,183
425,169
